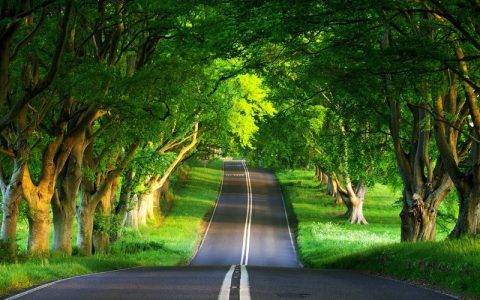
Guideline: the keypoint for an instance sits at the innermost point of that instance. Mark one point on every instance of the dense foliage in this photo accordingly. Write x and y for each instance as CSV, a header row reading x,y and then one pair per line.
x,y
101,102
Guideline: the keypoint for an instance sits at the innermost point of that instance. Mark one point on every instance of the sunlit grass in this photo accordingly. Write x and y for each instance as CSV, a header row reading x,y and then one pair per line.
x,y
326,240
171,243
324,234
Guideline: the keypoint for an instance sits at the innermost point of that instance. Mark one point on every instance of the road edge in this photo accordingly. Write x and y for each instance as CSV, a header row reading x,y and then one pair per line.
x,y
292,221
48,284
417,284
212,213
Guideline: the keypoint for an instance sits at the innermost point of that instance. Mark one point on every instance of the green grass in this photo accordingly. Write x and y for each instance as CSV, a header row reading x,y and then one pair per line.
x,y
326,240
172,243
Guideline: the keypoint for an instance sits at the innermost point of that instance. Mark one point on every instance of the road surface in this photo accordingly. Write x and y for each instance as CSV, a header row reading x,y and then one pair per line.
x,y
247,253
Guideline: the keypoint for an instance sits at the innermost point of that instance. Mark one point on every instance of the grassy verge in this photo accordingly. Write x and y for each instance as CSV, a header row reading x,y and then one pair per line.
x,y
172,243
326,240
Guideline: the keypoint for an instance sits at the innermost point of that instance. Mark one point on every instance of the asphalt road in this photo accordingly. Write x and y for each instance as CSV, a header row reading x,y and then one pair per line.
x,y
249,225
247,253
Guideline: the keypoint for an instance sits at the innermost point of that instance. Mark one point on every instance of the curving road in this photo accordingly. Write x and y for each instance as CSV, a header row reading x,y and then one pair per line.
x,y
247,253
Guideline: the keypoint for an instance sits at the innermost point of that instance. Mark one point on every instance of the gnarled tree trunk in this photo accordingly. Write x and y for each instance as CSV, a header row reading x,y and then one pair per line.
x,y
425,179
418,221
419,213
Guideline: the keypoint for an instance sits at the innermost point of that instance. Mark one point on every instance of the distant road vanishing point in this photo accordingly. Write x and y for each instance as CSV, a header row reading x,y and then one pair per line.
x,y
248,252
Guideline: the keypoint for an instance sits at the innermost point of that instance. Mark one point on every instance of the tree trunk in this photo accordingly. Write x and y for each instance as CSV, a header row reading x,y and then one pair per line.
x,y
120,216
8,237
101,242
151,205
12,195
331,186
357,202
157,213
99,190
85,216
166,200
39,196
101,228
353,200
418,223
468,222
332,190
39,202
338,199
9,224
356,215
346,200
39,229
132,215
317,171
64,203
160,204
419,212
142,209
63,216
321,177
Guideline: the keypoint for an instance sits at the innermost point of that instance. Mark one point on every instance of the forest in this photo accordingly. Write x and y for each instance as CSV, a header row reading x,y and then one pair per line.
x,y
102,101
